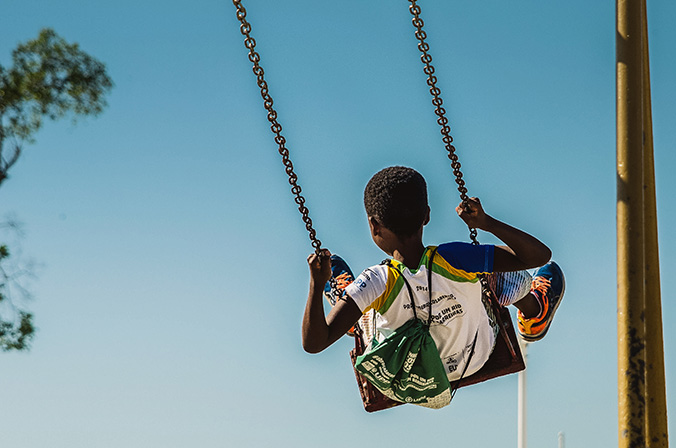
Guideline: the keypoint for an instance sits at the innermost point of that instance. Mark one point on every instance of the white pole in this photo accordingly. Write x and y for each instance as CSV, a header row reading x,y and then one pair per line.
x,y
562,440
521,434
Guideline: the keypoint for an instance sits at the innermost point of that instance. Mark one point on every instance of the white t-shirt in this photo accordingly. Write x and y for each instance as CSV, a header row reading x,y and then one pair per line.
x,y
458,311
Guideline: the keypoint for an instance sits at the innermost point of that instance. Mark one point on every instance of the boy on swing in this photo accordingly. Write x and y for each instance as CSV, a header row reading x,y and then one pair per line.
x,y
397,208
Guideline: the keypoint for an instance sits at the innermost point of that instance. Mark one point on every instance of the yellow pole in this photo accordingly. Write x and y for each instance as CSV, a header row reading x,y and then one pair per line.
x,y
630,235
656,404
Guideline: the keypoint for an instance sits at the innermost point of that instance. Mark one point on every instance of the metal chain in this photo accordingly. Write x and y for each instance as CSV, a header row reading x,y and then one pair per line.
x,y
426,59
254,57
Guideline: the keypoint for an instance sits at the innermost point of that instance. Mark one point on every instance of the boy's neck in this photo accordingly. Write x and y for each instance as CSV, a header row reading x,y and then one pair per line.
x,y
409,253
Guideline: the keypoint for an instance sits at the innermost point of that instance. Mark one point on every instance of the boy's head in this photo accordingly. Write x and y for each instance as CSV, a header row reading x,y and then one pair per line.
x,y
397,198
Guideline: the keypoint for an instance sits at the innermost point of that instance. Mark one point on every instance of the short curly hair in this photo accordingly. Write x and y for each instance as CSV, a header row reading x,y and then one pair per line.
x,y
397,197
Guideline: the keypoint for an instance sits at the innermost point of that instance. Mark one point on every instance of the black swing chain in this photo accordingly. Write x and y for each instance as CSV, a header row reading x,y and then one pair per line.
x,y
254,57
426,59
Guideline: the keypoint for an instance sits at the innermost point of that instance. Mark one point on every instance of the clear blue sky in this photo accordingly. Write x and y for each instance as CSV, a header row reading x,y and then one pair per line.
x,y
173,273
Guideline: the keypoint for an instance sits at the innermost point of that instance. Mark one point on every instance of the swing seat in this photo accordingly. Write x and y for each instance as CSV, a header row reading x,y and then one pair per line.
x,y
505,359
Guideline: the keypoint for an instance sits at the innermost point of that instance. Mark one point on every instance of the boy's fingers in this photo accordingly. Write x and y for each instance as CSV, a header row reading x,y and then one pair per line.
x,y
324,255
313,259
319,259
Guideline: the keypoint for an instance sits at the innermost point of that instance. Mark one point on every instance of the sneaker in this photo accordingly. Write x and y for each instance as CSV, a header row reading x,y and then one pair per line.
x,y
341,273
548,287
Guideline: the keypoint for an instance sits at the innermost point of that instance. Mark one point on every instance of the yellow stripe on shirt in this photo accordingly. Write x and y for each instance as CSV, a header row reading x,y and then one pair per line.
x,y
445,269
392,290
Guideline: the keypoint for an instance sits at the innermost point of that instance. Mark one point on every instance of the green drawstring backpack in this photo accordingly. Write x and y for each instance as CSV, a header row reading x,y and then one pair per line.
x,y
406,366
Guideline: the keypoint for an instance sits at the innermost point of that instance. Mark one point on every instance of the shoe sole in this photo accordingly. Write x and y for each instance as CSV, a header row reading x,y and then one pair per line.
x,y
549,323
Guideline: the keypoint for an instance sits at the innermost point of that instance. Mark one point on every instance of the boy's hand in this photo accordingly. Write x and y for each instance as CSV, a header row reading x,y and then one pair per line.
x,y
320,267
320,331
474,215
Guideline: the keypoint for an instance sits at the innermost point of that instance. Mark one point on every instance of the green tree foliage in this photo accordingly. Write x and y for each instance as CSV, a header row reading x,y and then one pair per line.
x,y
16,325
49,78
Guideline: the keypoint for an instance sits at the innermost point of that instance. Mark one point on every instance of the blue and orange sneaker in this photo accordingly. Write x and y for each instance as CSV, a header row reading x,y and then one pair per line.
x,y
547,287
341,273
342,276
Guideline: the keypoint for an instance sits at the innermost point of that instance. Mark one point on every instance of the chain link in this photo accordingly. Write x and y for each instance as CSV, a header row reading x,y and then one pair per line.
x,y
254,57
426,59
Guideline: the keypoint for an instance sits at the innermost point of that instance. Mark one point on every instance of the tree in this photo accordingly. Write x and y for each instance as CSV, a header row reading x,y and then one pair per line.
x,y
49,78
16,324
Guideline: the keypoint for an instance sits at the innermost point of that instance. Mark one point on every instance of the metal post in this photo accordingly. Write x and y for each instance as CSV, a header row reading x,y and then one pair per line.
x,y
521,433
656,396
630,234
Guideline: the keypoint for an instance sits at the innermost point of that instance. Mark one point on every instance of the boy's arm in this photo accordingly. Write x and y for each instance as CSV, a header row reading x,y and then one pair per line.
x,y
522,251
319,331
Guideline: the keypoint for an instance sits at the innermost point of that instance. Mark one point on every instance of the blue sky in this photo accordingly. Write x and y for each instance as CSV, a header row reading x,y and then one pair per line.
x,y
172,273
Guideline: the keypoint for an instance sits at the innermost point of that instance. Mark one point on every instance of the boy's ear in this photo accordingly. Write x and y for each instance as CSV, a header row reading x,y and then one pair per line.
x,y
374,224
427,217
